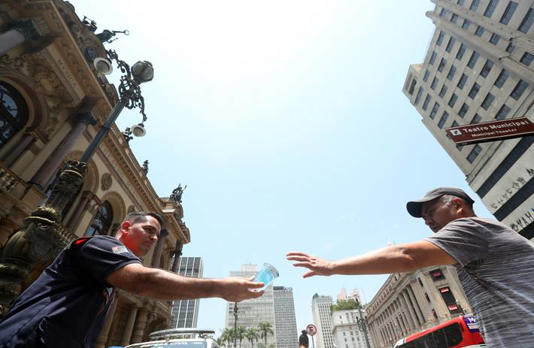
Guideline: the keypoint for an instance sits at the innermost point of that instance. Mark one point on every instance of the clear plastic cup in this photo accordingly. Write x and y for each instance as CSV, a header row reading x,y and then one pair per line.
x,y
266,275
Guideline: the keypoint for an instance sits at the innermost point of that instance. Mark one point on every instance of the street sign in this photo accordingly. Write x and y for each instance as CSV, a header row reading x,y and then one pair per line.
x,y
311,329
491,131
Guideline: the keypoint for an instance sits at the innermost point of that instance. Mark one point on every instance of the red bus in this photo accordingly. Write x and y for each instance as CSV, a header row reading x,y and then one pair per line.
x,y
459,332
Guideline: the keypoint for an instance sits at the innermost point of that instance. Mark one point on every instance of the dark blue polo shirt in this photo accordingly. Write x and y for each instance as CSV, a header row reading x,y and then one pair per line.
x,y
67,305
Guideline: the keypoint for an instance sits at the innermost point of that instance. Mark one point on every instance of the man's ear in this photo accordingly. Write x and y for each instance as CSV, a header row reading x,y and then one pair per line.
x,y
125,227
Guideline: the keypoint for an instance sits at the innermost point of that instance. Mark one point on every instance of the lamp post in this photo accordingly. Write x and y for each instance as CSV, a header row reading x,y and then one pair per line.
x,y
43,236
235,324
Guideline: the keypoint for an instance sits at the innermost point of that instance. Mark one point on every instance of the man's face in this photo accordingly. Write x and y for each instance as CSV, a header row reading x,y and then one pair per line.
x,y
437,213
141,236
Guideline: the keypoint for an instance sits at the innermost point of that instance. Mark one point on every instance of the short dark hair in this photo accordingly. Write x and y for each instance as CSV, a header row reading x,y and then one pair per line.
x,y
140,216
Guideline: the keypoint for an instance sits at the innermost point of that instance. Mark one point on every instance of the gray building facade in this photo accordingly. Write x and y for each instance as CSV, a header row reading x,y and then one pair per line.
x,y
479,68
284,317
185,312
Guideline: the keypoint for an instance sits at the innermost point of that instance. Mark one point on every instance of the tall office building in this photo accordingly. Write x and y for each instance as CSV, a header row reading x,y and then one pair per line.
x,y
349,330
185,312
480,67
284,317
254,311
323,320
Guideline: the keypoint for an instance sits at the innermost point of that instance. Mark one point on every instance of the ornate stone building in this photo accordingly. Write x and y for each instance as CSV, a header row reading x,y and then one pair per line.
x,y
411,302
54,99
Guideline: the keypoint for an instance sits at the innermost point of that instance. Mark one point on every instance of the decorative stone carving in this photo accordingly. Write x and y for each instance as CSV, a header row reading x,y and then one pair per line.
x,y
106,181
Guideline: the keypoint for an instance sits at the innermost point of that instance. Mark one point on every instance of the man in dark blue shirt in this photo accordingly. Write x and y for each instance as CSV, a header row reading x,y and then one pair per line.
x,y
67,305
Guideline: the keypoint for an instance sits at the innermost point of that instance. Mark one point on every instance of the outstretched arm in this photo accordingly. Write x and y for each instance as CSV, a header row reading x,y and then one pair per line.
x,y
393,259
163,285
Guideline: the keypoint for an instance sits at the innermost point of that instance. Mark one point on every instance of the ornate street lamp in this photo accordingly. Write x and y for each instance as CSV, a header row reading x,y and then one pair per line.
x,y
43,236
362,323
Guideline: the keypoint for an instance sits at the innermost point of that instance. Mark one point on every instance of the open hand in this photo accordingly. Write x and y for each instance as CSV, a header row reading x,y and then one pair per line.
x,y
235,289
316,265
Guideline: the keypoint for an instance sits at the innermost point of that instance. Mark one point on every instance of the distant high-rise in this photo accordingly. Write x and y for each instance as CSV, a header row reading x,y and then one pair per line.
x,y
284,316
254,311
323,320
479,68
349,329
185,312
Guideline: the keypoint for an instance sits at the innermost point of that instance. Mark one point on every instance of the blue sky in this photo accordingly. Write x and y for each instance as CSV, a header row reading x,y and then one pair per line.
x,y
287,122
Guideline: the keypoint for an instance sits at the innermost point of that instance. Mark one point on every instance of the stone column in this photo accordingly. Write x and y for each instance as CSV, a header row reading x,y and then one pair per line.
x,y
103,337
44,175
140,325
19,149
159,247
128,329
80,208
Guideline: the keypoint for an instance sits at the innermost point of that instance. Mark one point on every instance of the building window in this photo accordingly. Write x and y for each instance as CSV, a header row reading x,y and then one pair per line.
x,y
418,97
479,31
442,64
474,153
443,91
440,38
503,76
427,298
443,12
460,52
509,12
473,60
462,81
474,91
443,119
486,68
434,111
466,24
425,76
454,18
510,48
437,274
102,220
450,44
487,101
503,112
519,89
453,99
434,83
13,112
432,58
527,21
412,87
491,8
476,119
527,58
463,110
494,39
451,73
474,5
425,103
460,2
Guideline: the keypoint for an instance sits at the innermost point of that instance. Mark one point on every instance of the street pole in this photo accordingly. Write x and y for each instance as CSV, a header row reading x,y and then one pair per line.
x,y
235,324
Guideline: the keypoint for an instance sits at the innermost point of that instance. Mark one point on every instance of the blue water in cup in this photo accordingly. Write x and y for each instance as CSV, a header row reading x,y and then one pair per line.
x,y
266,275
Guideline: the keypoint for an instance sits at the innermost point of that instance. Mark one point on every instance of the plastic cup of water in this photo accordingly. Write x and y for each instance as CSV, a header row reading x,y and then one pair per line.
x,y
266,275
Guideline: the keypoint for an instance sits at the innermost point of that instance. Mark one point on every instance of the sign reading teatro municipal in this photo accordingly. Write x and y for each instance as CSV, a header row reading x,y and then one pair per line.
x,y
491,131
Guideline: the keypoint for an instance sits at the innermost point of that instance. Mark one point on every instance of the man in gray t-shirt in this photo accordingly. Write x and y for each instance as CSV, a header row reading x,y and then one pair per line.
x,y
494,264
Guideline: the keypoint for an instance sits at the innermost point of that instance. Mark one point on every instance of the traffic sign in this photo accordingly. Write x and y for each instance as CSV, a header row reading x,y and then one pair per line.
x,y
311,329
491,131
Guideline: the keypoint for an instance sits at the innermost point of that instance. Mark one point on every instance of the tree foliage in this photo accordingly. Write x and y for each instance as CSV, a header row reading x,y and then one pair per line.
x,y
341,305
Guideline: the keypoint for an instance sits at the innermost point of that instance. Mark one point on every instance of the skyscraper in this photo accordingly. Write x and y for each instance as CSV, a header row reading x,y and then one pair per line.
x,y
185,312
254,311
323,320
284,316
480,67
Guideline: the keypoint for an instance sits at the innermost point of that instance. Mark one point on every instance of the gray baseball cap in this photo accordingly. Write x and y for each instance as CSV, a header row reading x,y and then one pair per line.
x,y
414,207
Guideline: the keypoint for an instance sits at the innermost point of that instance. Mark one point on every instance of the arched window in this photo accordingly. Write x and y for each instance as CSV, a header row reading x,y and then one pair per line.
x,y
13,112
102,220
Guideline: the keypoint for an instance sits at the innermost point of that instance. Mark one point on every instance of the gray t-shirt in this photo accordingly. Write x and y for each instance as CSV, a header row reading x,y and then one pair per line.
x,y
496,269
